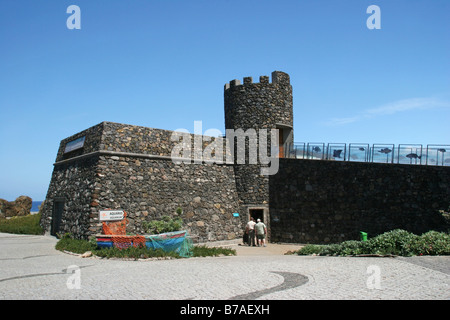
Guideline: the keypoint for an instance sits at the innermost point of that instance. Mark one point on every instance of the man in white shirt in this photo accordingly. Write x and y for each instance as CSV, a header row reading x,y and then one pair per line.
x,y
250,230
261,231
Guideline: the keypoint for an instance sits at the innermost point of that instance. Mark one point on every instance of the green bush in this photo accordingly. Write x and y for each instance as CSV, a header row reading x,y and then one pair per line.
x,y
22,225
432,243
351,247
165,224
395,242
66,243
311,249
134,253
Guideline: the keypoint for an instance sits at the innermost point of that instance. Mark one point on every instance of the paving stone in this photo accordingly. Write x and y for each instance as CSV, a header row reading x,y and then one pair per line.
x,y
30,268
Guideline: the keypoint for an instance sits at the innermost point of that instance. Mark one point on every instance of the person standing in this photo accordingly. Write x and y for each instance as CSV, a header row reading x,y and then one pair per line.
x,y
250,230
261,231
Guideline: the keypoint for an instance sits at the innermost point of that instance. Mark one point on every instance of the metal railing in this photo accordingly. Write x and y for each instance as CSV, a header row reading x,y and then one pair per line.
x,y
414,154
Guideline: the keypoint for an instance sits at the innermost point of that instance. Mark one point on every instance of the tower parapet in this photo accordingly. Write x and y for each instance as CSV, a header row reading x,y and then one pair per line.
x,y
278,78
261,105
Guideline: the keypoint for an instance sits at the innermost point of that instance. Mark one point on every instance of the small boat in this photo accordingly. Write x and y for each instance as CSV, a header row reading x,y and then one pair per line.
x,y
178,241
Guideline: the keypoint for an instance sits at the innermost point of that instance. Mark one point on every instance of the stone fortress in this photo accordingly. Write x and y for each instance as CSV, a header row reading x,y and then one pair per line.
x,y
132,168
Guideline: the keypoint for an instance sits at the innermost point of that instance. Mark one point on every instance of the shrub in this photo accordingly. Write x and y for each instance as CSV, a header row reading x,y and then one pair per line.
x,y
66,243
311,249
22,225
166,224
350,248
395,242
134,253
432,243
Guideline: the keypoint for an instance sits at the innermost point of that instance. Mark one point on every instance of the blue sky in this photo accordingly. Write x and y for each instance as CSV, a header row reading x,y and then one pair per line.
x,y
163,64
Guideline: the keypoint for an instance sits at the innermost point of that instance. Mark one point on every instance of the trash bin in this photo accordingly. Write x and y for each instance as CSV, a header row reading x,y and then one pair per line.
x,y
363,236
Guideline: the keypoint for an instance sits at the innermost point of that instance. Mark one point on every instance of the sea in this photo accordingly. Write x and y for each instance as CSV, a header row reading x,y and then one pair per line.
x,y
35,206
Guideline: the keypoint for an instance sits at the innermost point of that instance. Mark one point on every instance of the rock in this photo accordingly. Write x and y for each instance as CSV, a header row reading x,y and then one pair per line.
x,y
200,224
19,207
87,254
197,199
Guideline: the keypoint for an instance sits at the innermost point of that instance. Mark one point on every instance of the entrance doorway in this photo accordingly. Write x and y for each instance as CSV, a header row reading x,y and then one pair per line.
x,y
261,212
58,208
257,214
280,143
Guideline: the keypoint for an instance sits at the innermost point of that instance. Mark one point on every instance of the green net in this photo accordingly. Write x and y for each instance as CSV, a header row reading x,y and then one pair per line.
x,y
178,241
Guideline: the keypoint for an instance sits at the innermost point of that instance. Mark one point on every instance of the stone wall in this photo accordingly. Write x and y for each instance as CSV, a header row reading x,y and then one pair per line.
x,y
148,189
73,184
329,201
92,142
130,168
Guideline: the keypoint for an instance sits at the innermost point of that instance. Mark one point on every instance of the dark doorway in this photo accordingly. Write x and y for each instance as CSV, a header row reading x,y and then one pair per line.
x,y
280,143
257,214
58,208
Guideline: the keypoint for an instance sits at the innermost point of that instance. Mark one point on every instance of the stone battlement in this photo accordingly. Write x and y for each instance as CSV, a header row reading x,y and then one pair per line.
x,y
278,78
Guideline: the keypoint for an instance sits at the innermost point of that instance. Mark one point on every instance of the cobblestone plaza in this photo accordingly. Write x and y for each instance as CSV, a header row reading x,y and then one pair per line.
x,y
32,269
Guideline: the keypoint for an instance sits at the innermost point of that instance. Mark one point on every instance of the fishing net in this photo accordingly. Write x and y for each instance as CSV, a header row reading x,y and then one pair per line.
x,y
116,236
123,242
115,227
178,241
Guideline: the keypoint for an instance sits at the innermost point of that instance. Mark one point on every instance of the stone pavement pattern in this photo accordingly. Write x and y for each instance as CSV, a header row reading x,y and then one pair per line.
x,y
30,268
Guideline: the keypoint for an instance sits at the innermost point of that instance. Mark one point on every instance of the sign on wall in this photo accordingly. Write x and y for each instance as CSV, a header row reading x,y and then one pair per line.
x,y
111,215
75,144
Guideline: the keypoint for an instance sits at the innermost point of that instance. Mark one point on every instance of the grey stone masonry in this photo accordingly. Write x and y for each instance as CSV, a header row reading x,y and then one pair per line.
x,y
130,168
332,201
259,105
255,106
150,173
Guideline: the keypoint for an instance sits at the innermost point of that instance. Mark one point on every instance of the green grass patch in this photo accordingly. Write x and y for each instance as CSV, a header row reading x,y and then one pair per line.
x,y
22,225
396,242
204,251
75,245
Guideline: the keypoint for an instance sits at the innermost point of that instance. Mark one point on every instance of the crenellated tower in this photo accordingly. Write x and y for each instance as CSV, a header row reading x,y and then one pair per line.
x,y
263,105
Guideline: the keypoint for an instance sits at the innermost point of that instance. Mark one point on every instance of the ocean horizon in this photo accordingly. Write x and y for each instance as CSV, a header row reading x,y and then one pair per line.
x,y
35,206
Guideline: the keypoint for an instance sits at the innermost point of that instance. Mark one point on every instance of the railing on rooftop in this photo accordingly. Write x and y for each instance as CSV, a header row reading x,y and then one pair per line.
x,y
414,154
